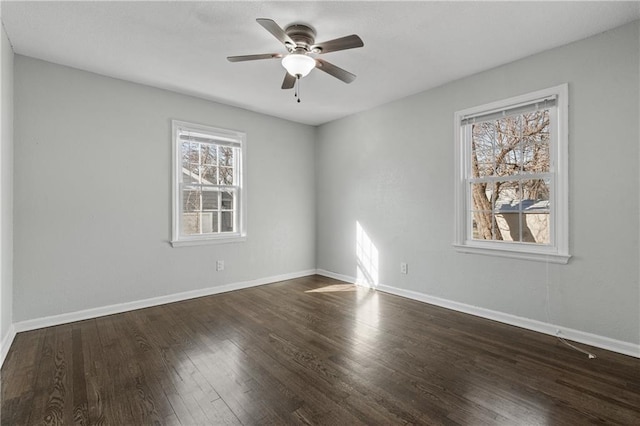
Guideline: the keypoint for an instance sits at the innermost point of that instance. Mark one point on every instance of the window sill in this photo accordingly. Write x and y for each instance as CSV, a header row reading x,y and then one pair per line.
x,y
207,241
538,256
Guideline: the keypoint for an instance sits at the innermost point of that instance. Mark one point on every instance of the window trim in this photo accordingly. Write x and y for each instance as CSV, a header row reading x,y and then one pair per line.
x,y
558,250
176,200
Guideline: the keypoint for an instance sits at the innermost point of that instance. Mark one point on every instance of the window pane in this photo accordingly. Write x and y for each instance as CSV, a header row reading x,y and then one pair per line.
x,y
535,142
215,219
209,200
208,154
483,202
226,223
535,158
191,199
226,176
227,200
508,151
506,192
483,226
188,176
226,156
186,162
190,150
202,153
507,210
194,172
209,222
536,190
482,148
538,225
209,175
535,210
185,152
190,223
482,196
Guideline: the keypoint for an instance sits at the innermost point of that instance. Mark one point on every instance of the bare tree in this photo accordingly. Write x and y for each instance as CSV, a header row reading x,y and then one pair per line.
x,y
508,149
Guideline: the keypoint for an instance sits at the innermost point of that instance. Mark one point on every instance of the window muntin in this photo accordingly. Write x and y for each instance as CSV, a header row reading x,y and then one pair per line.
x,y
208,192
511,193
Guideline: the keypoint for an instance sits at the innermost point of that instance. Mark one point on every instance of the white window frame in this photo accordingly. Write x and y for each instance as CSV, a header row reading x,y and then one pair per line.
x,y
558,249
223,135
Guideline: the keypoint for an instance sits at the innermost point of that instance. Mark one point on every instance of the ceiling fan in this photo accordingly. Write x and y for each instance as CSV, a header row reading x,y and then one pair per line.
x,y
299,40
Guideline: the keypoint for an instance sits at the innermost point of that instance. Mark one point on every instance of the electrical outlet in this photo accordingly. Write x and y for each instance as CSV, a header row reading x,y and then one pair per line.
x,y
220,265
404,268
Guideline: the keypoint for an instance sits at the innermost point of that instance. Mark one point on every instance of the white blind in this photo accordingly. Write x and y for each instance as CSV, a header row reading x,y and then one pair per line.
x,y
186,136
530,106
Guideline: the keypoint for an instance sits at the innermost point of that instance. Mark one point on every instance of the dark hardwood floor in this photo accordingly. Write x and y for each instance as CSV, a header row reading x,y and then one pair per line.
x,y
309,351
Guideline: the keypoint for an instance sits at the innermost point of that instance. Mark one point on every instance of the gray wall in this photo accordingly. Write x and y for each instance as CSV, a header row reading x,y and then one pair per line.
x,y
391,169
6,186
93,193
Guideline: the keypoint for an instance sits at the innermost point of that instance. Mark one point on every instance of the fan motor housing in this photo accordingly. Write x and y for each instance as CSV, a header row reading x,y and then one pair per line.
x,y
303,35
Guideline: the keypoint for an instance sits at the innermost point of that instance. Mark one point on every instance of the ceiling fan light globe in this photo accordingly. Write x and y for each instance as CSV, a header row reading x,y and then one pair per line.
x,y
298,64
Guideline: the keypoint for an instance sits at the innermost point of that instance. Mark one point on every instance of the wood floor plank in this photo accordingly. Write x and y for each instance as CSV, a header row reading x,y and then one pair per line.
x,y
19,397
80,402
95,373
309,351
44,379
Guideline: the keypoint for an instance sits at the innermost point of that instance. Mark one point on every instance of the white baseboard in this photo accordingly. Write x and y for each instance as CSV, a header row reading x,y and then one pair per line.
x,y
336,276
146,303
607,343
6,342
619,346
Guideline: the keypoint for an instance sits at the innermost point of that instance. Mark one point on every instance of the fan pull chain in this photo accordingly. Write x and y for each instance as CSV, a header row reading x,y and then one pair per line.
x,y
297,92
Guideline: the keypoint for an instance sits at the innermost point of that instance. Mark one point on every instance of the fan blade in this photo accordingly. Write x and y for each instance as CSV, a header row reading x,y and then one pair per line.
x,y
342,43
335,71
289,81
271,26
253,57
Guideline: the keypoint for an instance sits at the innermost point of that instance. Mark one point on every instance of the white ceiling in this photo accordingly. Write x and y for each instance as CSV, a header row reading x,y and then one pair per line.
x,y
409,46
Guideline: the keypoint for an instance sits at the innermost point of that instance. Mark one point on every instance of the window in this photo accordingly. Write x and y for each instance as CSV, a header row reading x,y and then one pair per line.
x,y
511,177
208,194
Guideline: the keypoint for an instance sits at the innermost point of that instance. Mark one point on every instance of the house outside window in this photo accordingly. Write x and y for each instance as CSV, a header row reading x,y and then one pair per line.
x,y
511,177
209,198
